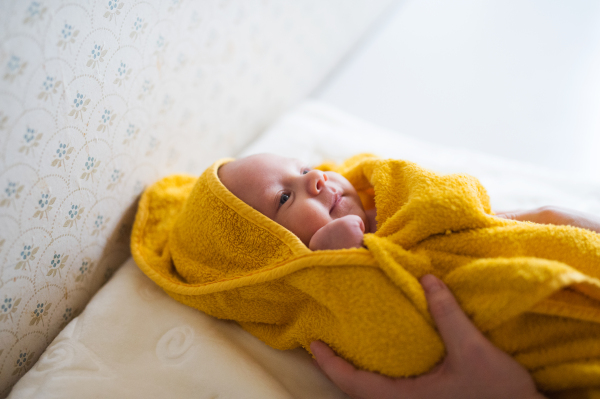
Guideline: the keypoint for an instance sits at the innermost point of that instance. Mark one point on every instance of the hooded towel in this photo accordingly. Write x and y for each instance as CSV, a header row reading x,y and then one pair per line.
x,y
533,290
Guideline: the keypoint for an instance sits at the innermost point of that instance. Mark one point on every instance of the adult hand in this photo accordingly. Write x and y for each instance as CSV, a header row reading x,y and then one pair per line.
x,y
472,368
556,215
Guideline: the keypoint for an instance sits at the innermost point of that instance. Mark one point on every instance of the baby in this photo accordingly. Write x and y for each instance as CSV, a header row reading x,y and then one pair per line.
x,y
322,208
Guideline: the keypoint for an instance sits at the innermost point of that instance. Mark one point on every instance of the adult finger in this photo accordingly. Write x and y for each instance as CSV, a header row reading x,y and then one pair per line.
x,y
453,324
356,383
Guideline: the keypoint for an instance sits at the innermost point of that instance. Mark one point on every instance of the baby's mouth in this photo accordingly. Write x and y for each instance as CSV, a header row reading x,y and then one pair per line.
x,y
337,197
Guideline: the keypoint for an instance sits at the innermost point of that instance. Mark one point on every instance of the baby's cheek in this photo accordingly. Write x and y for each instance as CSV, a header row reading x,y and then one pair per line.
x,y
305,224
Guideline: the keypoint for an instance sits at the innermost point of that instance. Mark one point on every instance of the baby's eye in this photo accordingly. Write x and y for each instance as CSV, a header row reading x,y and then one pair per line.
x,y
305,171
283,199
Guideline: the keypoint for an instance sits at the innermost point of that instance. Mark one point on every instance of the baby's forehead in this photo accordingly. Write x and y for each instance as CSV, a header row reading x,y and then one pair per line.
x,y
268,162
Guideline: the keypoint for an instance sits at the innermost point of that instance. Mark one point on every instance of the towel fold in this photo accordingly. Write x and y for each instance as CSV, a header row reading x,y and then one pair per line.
x,y
533,290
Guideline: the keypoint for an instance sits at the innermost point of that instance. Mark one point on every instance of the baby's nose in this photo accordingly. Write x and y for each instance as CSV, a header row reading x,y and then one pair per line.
x,y
316,181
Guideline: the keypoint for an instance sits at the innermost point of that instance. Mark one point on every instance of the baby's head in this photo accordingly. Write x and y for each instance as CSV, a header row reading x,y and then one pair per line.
x,y
287,191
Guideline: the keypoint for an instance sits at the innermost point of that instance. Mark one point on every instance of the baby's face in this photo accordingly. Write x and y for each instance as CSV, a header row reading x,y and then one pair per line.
x,y
287,191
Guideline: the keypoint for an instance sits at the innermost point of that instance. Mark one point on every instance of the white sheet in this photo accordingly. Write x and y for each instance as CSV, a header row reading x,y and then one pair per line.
x,y
133,341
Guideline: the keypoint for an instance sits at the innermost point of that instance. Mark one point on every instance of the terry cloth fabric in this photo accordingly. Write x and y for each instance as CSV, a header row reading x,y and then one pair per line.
x,y
533,290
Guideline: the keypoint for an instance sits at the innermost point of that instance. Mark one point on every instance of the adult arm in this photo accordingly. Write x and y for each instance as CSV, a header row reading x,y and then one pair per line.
x,y
473,366
556,215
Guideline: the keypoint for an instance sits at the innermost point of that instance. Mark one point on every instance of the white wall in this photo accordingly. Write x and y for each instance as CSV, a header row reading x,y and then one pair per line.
x,y
517,78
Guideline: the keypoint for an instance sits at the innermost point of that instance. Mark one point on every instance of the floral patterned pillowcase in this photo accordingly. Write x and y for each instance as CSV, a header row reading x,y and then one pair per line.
x,y
100,98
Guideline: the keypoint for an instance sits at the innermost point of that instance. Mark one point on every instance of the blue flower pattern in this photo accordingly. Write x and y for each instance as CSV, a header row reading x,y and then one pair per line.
x,y
11,193
43,201
62,154
73,211
55,262
31,140
14,63
90,163
130,133
79,105
96,56
137,25
67,36
160,42
96,51
112,4
34,9
11,189
138,28
61,150
29,135
113,8
122,69
147,88
68,313
39,310
26,252
22,359
84,267
7,305
115,178
23,362
15,67
49,86
67,31
74,214
44,205
106,116
26,255
90,168
48,83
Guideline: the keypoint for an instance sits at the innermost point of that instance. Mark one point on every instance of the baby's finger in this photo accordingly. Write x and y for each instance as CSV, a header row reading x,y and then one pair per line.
x,y
453,324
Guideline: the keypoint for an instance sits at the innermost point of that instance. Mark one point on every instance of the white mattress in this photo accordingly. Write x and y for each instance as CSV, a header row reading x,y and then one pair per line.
x,y
134,341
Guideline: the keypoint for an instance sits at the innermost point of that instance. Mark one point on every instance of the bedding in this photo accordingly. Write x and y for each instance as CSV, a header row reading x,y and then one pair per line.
x,y
132,340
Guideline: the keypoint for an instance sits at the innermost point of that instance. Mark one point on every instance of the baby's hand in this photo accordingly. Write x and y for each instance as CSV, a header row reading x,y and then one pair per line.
x,y
345,232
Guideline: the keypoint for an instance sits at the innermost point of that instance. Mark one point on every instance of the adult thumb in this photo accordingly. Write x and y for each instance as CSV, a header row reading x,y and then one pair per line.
x,y
453,324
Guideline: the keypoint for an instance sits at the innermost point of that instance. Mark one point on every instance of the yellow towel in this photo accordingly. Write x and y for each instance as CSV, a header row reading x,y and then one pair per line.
x,y
534,290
